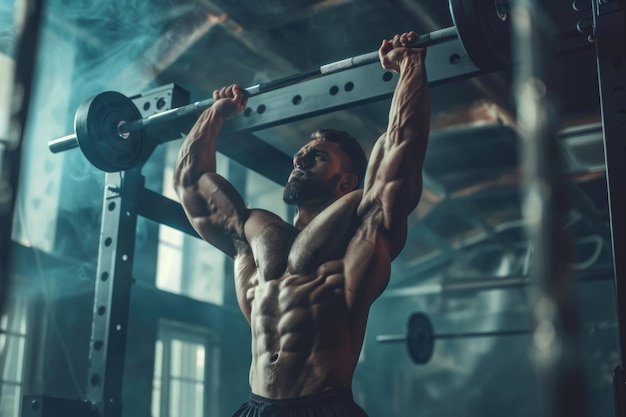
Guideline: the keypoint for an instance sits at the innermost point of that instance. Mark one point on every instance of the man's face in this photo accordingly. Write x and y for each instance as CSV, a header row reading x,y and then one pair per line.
x,y
317,171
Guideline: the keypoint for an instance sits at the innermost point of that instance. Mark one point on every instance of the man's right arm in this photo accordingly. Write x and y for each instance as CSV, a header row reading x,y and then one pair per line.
x,y
214,208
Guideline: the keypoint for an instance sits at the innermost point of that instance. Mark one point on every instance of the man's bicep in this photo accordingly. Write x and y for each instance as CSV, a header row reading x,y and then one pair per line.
x,y
216,211
394,178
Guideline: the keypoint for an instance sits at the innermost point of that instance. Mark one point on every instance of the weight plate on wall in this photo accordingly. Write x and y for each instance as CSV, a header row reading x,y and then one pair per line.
x,y
420,338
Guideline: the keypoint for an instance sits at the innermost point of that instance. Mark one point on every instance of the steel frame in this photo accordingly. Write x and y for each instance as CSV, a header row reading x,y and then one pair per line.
x,y
609,35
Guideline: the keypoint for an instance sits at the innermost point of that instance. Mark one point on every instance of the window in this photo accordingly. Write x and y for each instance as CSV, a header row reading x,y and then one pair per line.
x,y
186,371
12,347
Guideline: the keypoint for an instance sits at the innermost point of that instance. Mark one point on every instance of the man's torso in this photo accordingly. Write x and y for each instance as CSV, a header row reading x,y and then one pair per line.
x,y
307,295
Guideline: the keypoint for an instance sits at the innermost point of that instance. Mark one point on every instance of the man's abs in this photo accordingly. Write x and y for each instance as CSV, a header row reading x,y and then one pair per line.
x,y
302,338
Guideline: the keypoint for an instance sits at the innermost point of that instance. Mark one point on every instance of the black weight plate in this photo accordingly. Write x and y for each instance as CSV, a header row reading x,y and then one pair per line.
x,y
96,126
484,31
420,338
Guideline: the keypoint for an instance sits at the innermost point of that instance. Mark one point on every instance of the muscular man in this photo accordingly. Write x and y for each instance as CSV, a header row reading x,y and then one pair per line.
x,y
306,290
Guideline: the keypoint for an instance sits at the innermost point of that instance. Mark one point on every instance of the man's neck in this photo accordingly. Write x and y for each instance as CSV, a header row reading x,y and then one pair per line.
x,y
305,214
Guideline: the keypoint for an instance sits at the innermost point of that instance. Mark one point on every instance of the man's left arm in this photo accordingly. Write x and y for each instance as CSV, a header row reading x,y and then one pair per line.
x,y
393,183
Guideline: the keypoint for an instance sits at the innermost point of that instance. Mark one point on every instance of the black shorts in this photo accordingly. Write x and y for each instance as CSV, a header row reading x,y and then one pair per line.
x,y
337,402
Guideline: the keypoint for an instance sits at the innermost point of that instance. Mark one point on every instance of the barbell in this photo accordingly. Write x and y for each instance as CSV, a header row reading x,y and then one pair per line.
x,y
109,129
420,337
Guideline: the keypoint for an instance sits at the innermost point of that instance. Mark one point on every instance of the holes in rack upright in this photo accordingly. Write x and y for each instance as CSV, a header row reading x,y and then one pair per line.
x,y
94,380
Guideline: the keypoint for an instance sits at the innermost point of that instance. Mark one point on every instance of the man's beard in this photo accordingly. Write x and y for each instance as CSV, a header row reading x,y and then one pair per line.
x,y
293,191
301,191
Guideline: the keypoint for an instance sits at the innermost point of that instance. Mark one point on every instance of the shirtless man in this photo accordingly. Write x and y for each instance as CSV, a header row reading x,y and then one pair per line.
x,y
306,290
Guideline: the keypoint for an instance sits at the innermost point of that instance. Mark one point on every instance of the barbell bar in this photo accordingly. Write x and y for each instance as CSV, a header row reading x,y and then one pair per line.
x,y
69,141
110,131
420,337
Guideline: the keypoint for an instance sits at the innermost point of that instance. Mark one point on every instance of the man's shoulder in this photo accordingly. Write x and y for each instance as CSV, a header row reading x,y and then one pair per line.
x,y
259,219
353,198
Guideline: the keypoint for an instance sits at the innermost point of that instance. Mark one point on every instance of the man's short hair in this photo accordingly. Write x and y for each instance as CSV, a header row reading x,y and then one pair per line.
x,y
350,146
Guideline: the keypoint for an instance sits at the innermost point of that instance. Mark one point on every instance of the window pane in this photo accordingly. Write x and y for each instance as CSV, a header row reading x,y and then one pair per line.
x,y
156,380
176,356
186,398
10,399
156,397
181,389
176,399
14,351
169,265
200,360
170,236
203,271
158,359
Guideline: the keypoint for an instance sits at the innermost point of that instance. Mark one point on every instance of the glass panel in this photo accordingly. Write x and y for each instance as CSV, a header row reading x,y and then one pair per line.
x,y
14,356
176,399
204,272
170,236
176,356
169,264
158,359
199,398
168,173
156,398
10,398
156,380
186,399
200,361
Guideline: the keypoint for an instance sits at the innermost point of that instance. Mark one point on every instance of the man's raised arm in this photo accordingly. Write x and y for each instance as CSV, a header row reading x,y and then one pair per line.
x,y
394,174
213,206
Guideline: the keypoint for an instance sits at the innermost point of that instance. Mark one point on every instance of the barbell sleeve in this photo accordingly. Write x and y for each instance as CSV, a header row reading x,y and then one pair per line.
x,y
63,143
